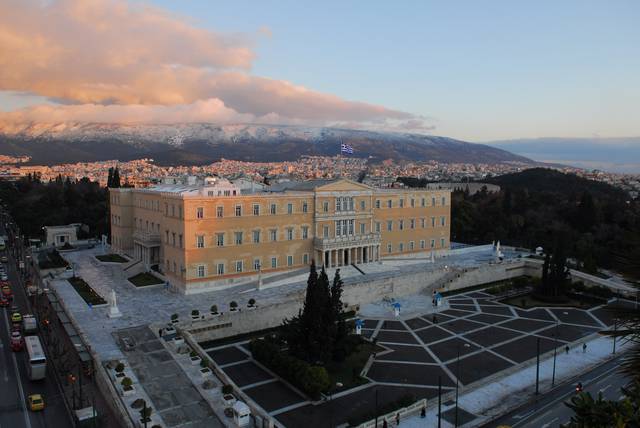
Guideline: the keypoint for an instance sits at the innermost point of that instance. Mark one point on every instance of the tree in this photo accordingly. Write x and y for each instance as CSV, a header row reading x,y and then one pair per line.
x,y
116,178
339,330
596,413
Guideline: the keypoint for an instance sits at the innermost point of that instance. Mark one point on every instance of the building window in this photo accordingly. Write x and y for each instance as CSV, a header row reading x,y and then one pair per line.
x,y
238,238
389,225
256,209
274,262
338,227
166,237
401,202
433,201
363,204
219,212
166,209
377,227
273,209
413,203
389,248
422,223
412,245
168,265
239,266
273,235
442,242
389,203
289,208
433,243
442,221
256,236
289,260
325,231
200,212
378,203
173,239
180,240
305,207
238,210
305,232
422,244
433,222
444,201
200,241
220,268
401,247
290,234
256,264
401,224
351,231
325,206
305,259
220,239
338,204
412,223
200,271
362,228
423,202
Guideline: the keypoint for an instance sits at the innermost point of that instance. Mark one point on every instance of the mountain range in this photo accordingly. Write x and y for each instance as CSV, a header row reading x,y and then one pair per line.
x,y
203,143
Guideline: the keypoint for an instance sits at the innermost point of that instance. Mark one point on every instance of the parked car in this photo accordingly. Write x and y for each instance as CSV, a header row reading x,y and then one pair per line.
x,y
3,277
16,317
4,302
17,343
4,259
6,292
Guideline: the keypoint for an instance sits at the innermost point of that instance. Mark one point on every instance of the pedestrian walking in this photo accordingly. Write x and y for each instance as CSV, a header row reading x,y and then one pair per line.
x,y
435,320
159,332
584,348
423,412
384,424
566,349
398,419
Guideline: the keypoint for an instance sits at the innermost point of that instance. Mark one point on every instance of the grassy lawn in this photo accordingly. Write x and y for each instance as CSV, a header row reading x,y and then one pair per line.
x,y
85,291
52,260
112,258
344,371
528,301
144,279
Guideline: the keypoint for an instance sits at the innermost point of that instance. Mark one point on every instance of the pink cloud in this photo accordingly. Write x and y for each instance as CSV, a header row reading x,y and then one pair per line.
x,y
136,62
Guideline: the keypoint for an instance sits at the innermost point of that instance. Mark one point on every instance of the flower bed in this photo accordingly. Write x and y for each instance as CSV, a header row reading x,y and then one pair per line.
x,y
85,291
145,279
111,258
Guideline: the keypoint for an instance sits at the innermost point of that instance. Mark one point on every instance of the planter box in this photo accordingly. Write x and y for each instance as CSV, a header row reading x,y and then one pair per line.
x,y
177,341
215,314
206,372
195,317
229,400
127,393
169,330
195,361
176,321
249,308
233,309
141,423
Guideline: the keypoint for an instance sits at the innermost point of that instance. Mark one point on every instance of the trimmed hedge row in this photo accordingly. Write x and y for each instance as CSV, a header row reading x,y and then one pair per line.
x,y
310,379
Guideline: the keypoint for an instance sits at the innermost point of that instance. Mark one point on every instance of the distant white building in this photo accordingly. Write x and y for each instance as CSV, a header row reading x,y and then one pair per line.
x,y
58,236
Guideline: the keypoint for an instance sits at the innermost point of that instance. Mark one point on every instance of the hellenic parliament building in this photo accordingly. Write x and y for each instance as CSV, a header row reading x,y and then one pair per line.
x,y
211,234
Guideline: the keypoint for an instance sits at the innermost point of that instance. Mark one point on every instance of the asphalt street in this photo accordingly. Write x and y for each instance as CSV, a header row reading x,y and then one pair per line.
x,y
550,411
15,385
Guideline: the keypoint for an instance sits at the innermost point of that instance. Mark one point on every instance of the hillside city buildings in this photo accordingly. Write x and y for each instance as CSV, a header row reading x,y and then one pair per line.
x,y
213,233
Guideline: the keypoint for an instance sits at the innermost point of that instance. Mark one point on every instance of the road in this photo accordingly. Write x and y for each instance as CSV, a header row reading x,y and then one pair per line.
x,y
15,386
550,411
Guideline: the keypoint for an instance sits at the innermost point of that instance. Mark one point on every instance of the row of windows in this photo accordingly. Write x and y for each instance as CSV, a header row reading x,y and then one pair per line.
x,y
402,224
256,210
412,202
412,245
239,266
256,237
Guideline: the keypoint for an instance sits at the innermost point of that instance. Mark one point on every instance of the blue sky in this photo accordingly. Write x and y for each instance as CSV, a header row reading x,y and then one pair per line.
x,y
477,70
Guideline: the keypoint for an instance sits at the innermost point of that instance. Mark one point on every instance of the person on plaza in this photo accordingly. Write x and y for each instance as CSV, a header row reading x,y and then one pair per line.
x,y
435,320
584,348
398,419
423,412
384,424
566,349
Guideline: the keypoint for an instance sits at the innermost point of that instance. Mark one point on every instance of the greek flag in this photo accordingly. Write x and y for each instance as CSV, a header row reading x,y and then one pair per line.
x,y
345,148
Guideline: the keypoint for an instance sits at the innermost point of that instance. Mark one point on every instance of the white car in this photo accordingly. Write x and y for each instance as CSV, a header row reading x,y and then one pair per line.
x,y
4,277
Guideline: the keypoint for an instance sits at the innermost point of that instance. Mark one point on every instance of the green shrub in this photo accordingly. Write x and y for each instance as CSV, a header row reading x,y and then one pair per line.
x,y
227,389
214,309
203,363
138,404
193,354
174,317
195,313
127,382
119,367
252,302
310,379
233,305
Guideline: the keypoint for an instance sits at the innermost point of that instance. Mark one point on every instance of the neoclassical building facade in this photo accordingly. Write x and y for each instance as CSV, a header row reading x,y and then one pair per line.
x,y
212,234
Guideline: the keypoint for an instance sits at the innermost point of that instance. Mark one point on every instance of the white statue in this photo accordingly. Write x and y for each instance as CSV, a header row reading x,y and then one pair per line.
x,y
114,312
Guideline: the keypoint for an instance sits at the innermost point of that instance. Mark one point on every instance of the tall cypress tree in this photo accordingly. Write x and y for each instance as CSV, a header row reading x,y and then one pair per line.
x,y
116,178
339,325
110,178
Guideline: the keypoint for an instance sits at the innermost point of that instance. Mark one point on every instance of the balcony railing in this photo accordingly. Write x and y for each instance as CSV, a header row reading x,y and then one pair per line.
x,y
346,241
147,238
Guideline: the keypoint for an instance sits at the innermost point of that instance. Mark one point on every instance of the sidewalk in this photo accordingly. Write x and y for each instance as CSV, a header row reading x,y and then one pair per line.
x,y
499,396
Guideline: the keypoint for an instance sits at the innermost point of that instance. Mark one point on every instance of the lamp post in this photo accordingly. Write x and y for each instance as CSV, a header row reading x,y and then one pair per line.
x,y
466,345
537,366
615,328
555,349
439,402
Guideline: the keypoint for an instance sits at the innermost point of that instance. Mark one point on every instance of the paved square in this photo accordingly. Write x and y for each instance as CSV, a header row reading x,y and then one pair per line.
x,y
525,325
456,313
491,336
539,314
461,301
396,337
488,318
461,326
568,333
448,349
274,395
470,308
246,374
478,366
393,325
227,355
575,316
496,310
416,323
413,374
524,349
406,353
432,334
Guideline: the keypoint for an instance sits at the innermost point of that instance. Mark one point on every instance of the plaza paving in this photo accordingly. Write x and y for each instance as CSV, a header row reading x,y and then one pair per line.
x,y
489,337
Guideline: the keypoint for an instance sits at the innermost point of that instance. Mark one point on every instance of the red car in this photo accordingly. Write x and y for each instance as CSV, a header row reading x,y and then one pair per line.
x,y
4,302
16,341
6,292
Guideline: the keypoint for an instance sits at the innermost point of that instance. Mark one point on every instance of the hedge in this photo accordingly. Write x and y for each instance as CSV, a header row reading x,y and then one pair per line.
x,y
310,379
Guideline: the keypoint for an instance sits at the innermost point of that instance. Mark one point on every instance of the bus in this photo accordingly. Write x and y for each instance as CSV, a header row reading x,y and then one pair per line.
x,y
36,360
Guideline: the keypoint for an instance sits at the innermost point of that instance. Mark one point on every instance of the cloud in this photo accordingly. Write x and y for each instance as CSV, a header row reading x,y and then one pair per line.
x,y
145,63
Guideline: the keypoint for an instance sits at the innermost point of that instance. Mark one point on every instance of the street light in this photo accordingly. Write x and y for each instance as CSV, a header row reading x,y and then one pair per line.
x,y
555,349
466,345
537,366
